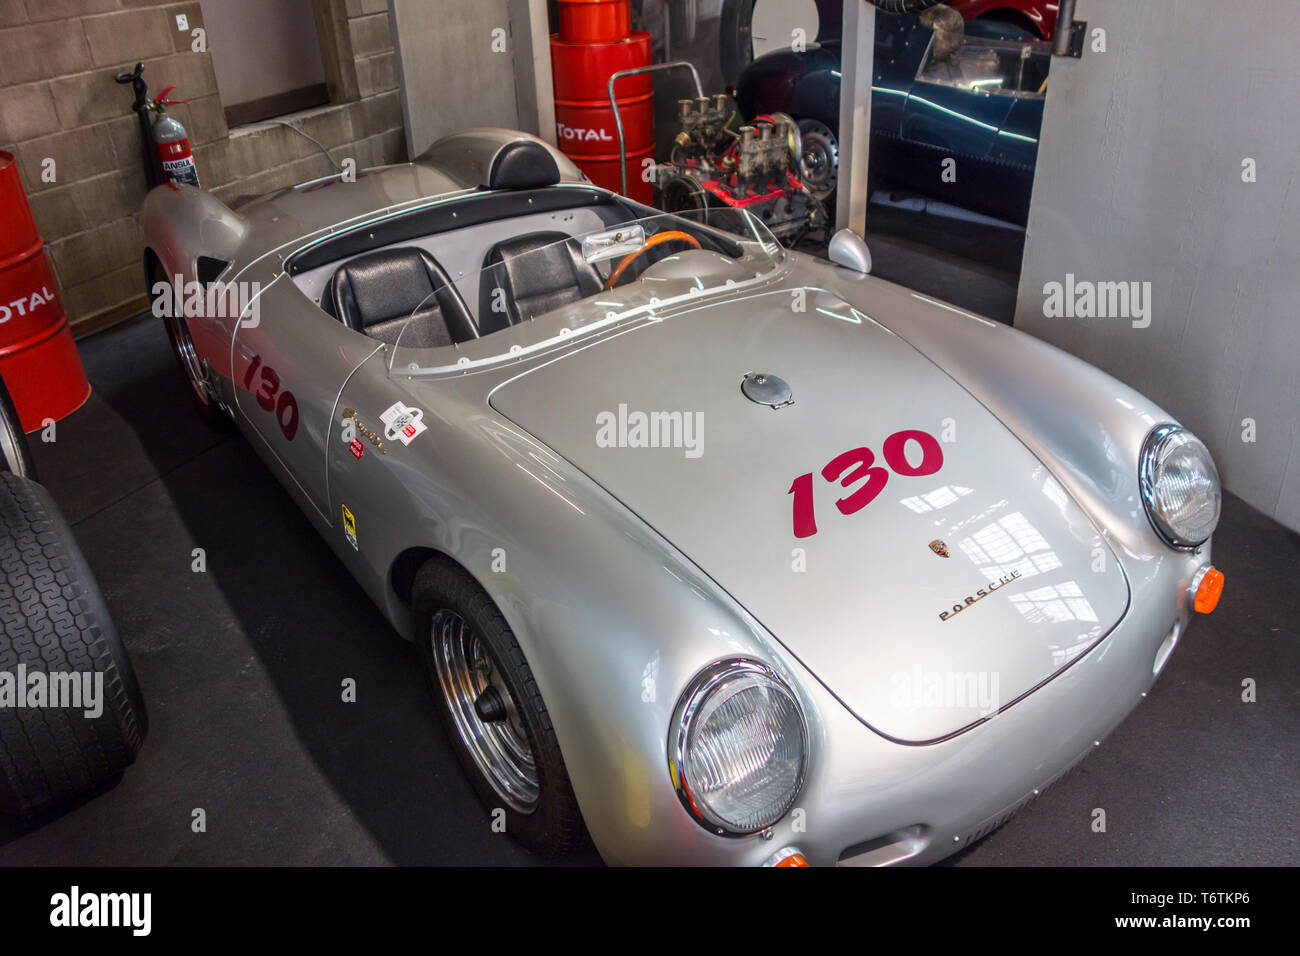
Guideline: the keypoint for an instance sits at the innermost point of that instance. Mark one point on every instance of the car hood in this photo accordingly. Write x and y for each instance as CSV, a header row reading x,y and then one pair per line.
x,y
947,597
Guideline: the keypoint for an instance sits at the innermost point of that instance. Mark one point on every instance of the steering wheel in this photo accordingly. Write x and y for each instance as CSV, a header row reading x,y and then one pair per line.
x,y
655,240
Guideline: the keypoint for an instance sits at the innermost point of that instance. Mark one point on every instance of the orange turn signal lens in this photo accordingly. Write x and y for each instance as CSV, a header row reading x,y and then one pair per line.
x,y
794,859
1209,590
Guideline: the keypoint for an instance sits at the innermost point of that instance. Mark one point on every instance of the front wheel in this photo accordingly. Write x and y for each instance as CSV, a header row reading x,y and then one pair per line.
x,y
492,710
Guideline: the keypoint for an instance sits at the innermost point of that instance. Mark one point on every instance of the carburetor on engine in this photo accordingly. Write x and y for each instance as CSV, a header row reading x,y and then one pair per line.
x,y
763,151
702,121
754,167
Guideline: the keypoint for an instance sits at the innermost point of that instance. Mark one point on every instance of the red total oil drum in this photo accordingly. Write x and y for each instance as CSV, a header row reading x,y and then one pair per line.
x,y
38,359
594,42
595,21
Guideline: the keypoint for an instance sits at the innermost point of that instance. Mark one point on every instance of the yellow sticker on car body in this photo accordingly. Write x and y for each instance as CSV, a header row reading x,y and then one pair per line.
x,y
350,527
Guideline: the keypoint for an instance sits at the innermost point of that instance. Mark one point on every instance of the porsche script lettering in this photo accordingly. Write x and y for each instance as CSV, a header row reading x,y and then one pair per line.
x,y
979,595
351,413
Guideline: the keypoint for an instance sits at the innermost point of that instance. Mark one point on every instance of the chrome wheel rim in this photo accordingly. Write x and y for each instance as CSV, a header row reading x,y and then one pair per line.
x,y
184,346
466,670
821,157
11,458
190,359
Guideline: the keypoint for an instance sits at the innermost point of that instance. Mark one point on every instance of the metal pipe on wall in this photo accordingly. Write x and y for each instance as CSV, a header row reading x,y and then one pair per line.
x,y
1061,37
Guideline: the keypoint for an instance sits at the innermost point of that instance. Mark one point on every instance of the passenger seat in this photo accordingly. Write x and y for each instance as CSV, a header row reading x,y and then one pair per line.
x,y
536,273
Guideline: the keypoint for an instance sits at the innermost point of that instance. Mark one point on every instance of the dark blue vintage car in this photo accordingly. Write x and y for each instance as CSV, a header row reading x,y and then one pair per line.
x,y
975,97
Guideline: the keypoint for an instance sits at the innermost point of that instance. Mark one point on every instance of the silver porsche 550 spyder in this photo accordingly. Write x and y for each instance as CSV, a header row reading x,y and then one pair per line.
x,y
731,554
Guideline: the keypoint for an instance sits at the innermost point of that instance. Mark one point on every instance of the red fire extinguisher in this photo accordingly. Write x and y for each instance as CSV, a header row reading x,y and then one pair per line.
x,y
173,144
166,144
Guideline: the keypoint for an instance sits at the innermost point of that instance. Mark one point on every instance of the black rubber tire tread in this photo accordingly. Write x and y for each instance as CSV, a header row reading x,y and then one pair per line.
x,y
54,620
555,825
15,456
735,40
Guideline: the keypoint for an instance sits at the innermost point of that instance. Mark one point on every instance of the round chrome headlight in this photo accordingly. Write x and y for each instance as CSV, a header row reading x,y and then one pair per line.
x,y
1180,486
738,748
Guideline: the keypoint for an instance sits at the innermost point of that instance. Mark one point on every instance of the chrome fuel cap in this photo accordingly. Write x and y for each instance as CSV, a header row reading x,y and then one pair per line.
x,y
766,390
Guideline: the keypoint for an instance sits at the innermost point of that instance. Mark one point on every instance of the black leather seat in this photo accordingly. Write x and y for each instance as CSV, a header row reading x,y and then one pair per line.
x,y
536,272
399,292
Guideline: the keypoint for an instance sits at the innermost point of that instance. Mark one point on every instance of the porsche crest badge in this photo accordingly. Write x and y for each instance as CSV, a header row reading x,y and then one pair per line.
x,y
939,548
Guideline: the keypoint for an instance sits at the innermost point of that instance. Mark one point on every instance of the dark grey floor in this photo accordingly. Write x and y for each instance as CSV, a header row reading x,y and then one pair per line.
x,y
971,264
967,263
241,667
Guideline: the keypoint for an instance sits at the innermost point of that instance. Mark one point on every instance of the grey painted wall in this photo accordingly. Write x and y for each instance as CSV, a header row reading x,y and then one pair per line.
x,y
1140,178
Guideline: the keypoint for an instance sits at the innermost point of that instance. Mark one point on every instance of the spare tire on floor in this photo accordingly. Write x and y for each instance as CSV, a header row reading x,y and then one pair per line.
x,y
60,659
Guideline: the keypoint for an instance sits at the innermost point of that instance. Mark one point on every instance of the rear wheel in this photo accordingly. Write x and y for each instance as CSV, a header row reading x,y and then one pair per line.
x,y
202,392
492,710
57,641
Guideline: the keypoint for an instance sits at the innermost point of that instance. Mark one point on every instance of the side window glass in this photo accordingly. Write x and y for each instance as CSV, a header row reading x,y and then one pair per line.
x,y
977,66
1033,74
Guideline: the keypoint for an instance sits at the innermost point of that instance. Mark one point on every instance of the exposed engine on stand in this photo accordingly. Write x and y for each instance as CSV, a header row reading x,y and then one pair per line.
x,y
753,167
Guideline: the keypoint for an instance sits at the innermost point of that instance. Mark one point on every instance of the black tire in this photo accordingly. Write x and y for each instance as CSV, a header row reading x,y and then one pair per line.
x,y
55,622
183,351
554,823
15,456
735,38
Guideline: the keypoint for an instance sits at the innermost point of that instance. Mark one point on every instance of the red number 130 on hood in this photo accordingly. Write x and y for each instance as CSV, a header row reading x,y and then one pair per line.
x,y
856,469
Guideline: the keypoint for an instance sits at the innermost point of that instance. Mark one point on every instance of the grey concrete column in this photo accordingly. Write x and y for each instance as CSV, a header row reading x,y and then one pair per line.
x,y
855,114
456,67
534,91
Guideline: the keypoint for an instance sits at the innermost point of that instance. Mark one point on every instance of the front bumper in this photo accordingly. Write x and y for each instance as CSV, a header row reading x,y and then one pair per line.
x,y
870,801
888,803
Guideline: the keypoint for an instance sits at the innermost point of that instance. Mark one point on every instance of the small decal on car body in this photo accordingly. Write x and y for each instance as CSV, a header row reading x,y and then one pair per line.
x,y
351,413
356,448
979,595
402,422
350,527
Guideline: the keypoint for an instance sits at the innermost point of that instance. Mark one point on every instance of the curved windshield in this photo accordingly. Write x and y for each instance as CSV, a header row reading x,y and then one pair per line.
x,y
539,288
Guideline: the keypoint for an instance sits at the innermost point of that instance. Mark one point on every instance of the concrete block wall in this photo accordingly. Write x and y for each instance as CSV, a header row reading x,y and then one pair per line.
x,y
58,101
